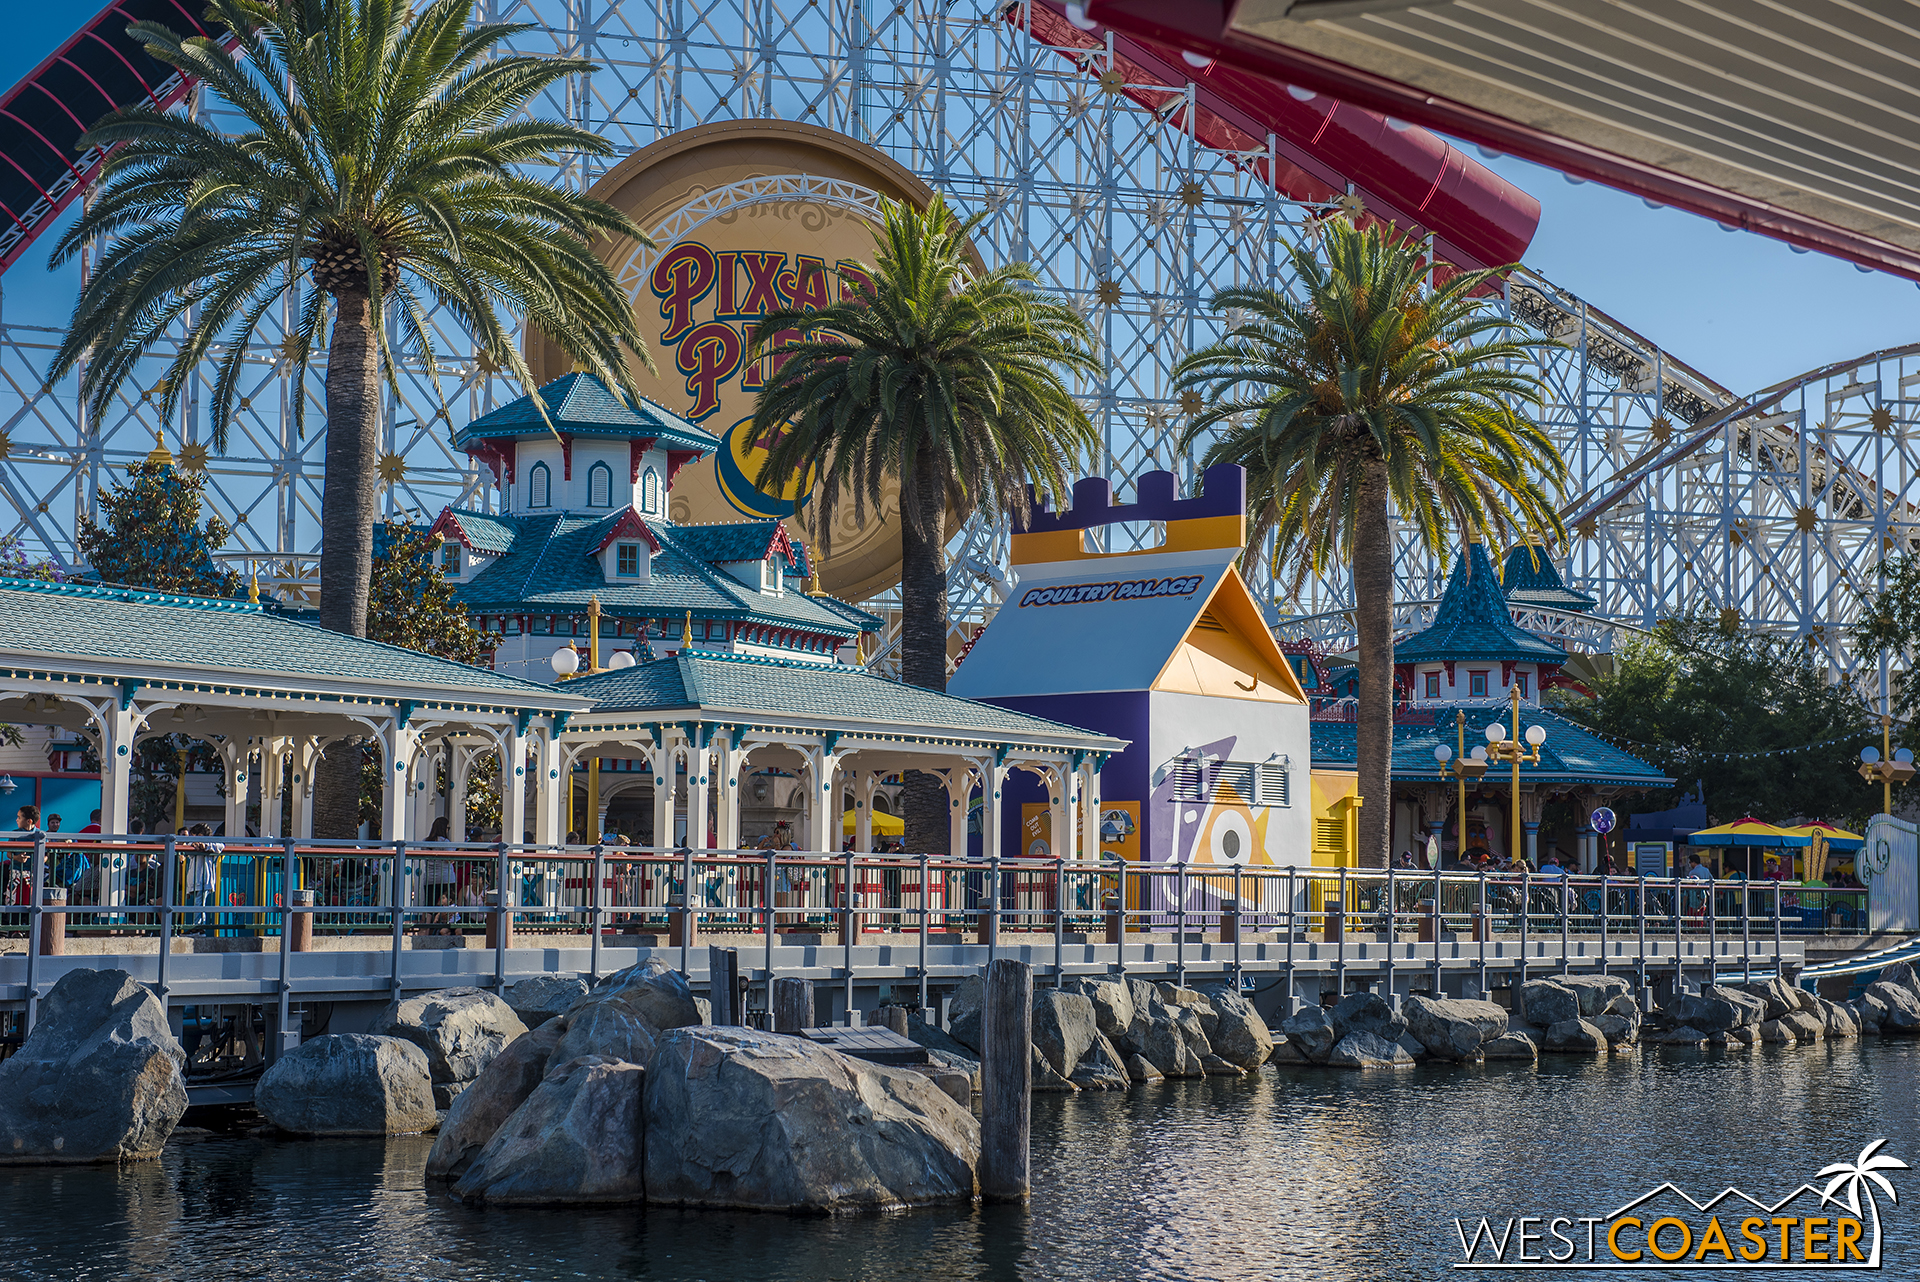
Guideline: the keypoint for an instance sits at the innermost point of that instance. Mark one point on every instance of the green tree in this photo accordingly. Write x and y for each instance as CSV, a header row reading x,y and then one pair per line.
x,y
1373,395
368,166
152,536
941,380
1890,625
1752,717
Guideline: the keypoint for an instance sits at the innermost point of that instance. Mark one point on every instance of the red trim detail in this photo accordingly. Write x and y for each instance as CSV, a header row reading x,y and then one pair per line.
x,y
1448,665
627,526
677,459
637,448
447,525
566,456
1202,26
1506,672
782,543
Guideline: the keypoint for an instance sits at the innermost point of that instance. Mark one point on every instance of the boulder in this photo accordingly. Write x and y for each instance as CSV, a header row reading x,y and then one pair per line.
x,y
1366,1013
1778,1034
349,1084
1752,1009
1803,1026
1545,1002
1776,993
1574,1037
1452,1028
1869,1010
484,1106
1214,1066
1063,1027
1619,1029
1140,1071
657,993
1806,1002
1102,1068
741,1118
1745,1038
1191,998
1626,1010
963,1013
1684,1035
1236,1032
460,1029
1839,1020
1112,1003
1164,1047
1901,974
540,998
1513,1045
607,1027
936,1038
1361,1049
960,1066
1192,1030
1311,1033
576,1139
98,1080
1045,1080
1714,1011
1413,1046
1594,991
1902,1008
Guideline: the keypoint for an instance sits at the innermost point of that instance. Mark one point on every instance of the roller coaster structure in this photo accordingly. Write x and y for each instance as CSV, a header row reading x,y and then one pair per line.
x,y
1138,190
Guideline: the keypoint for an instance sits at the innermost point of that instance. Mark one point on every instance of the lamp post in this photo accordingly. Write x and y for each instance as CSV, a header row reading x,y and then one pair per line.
x,y
1463,768
1502,748
566,663
1886,765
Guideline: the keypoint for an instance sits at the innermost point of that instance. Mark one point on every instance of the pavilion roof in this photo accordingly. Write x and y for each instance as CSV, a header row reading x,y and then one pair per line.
x,y
1571,754
1473,622
579,404
1531,578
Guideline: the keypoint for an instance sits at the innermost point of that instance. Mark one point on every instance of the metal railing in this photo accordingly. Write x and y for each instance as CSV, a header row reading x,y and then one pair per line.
x,y
165,887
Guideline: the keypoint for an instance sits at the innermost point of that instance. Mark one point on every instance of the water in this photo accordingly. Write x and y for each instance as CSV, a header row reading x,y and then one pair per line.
x,y
1313,1175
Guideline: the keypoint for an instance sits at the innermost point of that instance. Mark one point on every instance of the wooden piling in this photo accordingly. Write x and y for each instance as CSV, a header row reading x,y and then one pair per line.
x,y
1230,923
893,1017
681,930
792,1005
1116,917
723,985
300,925
499,925
53,922
1006,1072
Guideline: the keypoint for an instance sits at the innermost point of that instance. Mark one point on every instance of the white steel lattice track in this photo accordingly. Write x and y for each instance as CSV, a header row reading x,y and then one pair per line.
x,y
1135,223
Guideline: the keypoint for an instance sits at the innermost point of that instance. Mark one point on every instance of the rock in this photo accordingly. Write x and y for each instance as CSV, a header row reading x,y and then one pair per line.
x,y
1776,993
1684,1035
1412,1046
98,1079
1191,1064
460,1029
1102,1068
349,1084
1752,1009
540,998
1778,1034
1063,1027
1311,1033
1901,975
1140,1071
608,1027
1455,1029
656,992
741,1118
1545,1002
1617,1028
1214,1066
1190,998
1839,1020
960,1065
1743,1038
1236,1032
963,1013
936,1038
1361,1049
483,1108
1803,1026
1869,1010
1574,1037
703,1009
1513,1045
1045,1080
1594,991
1162,1044
1192,1030
1807,1003
1902,1017
1366,1013
1715,1010
1112,1004
576,1139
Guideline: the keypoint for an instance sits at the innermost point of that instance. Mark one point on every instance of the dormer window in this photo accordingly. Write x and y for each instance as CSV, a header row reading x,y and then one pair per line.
x,y
627,564
1433,685
1520,681
539,486
650,492
1476,685
773,578
599,486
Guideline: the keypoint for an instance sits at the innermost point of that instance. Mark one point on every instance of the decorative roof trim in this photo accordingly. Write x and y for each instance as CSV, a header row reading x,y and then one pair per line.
x,y
626,525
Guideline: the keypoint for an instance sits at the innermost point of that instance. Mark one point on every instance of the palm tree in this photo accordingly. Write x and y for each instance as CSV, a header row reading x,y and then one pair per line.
x,y
1373,392
1862,1175
943,381
374,175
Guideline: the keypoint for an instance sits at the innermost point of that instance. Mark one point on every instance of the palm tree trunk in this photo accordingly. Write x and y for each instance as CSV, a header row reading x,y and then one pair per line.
x,y
348,506
1373,620
923,644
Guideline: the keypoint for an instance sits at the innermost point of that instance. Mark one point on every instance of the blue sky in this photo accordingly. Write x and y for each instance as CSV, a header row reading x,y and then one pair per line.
x,y
1744,310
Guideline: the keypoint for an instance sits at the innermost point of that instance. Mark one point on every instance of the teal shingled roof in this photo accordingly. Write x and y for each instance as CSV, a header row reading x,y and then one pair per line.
x,y
1473,622
552,568
736,541
1571,754
581,405
485,532
1531,578
738,686
133,625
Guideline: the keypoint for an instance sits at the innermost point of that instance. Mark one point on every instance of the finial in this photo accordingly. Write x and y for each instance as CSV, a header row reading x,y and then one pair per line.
x,y
160,455
1473,536
253,589
593,605
686,633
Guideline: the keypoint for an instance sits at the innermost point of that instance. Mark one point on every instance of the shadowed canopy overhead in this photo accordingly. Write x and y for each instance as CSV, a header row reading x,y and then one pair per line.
x,y
1792,120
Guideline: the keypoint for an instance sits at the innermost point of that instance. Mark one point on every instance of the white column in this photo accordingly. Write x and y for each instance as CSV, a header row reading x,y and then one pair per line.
x,y
729,760
549,802
513,786
118,727
1063,798
399,745
459,763
1089,810
305,753
959,793
992,808
234,758
273,784
666,778
823,803
864,786
697,780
